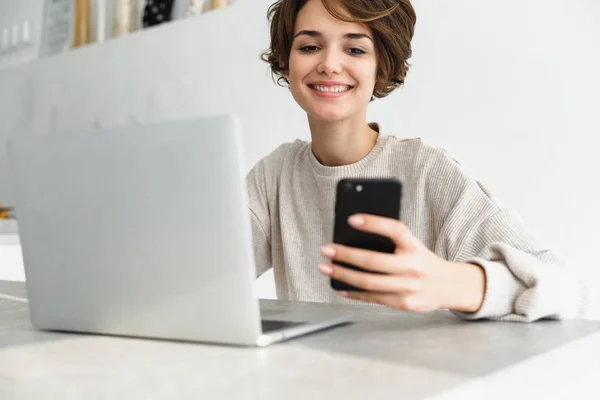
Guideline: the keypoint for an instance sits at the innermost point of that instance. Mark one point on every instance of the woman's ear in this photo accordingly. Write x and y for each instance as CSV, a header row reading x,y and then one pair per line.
x,y
283,68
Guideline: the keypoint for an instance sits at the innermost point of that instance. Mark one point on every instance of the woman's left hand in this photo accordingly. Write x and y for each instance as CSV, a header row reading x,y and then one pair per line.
x,y
413,278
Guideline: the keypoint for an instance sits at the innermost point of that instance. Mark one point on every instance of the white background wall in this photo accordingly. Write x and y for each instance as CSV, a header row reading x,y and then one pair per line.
x,y
509,87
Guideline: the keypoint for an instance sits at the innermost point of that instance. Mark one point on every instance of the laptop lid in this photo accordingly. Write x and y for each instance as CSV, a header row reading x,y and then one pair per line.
x,y
138,230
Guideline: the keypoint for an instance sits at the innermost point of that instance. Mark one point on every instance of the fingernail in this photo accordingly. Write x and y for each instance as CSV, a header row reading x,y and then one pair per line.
x,y
326,269
343,294
356,220
328,251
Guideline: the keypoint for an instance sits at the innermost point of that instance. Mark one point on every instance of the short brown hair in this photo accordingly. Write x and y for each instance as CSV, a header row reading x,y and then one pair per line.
x,y
391,21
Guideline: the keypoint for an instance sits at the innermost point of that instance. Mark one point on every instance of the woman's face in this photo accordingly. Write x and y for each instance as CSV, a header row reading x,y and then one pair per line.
x,y
332,66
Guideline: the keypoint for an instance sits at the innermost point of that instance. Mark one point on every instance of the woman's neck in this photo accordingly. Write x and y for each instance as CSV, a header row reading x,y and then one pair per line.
x,y
342,142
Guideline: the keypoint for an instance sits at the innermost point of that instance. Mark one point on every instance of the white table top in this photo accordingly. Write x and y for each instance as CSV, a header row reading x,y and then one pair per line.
x,y
383,354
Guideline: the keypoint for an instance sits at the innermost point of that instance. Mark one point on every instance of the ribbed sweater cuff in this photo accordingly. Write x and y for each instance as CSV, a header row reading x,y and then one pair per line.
x,y
502,289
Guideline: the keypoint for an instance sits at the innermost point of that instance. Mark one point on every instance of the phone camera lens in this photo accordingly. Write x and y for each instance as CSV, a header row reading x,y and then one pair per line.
x,y
348,186
359,188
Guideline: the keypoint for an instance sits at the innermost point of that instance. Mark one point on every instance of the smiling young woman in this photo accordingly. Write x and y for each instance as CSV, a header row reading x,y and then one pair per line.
x,y
457,248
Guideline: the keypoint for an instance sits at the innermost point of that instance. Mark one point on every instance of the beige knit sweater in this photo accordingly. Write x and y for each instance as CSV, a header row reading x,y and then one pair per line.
x,y
292,197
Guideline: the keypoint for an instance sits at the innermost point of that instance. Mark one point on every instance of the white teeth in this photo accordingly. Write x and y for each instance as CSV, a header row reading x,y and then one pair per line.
x,y
331,89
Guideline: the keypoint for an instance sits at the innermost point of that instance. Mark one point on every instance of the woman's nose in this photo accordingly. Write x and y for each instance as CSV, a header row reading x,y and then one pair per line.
x,y
330,63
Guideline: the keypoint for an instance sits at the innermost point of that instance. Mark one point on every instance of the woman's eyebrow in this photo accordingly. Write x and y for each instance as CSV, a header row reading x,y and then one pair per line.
x,y
347,35
358,36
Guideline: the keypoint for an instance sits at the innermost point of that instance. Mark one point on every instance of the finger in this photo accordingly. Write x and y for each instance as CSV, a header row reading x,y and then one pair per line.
x,y
388,227
367,259
370,282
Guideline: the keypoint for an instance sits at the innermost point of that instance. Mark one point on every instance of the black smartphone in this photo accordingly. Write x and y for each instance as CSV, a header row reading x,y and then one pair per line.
x,y
380,197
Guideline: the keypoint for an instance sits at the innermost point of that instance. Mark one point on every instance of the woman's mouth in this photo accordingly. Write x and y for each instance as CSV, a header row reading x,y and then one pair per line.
x,y
330,91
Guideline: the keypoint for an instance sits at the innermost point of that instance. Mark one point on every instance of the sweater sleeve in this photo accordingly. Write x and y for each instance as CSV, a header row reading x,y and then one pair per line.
x,y
262,182
259,217
525,281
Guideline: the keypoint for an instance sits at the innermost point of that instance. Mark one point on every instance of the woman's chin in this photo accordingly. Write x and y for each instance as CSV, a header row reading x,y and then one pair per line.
x,y
328,116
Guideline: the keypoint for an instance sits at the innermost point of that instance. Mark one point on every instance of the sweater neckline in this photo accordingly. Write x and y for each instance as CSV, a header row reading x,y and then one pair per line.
x,y
350,169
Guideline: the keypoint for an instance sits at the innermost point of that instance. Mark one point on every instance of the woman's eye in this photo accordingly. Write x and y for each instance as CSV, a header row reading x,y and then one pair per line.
x,y
356,52
309,49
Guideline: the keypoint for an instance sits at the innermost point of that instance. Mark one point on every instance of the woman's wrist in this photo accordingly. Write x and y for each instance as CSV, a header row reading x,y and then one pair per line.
x,y
468,289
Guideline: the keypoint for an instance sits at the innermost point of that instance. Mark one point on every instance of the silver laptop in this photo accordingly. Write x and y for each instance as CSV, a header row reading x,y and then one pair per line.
x,y
145,231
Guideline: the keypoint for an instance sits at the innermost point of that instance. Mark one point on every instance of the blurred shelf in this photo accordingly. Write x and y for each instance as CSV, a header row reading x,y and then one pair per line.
x,y
109,40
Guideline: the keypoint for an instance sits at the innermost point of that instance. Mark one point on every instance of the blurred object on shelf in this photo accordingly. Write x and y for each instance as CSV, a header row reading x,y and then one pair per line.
x,y
82,27
16,44
157,12
99,12
8,221
57,32
215,4
125,17
194,7
7,212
